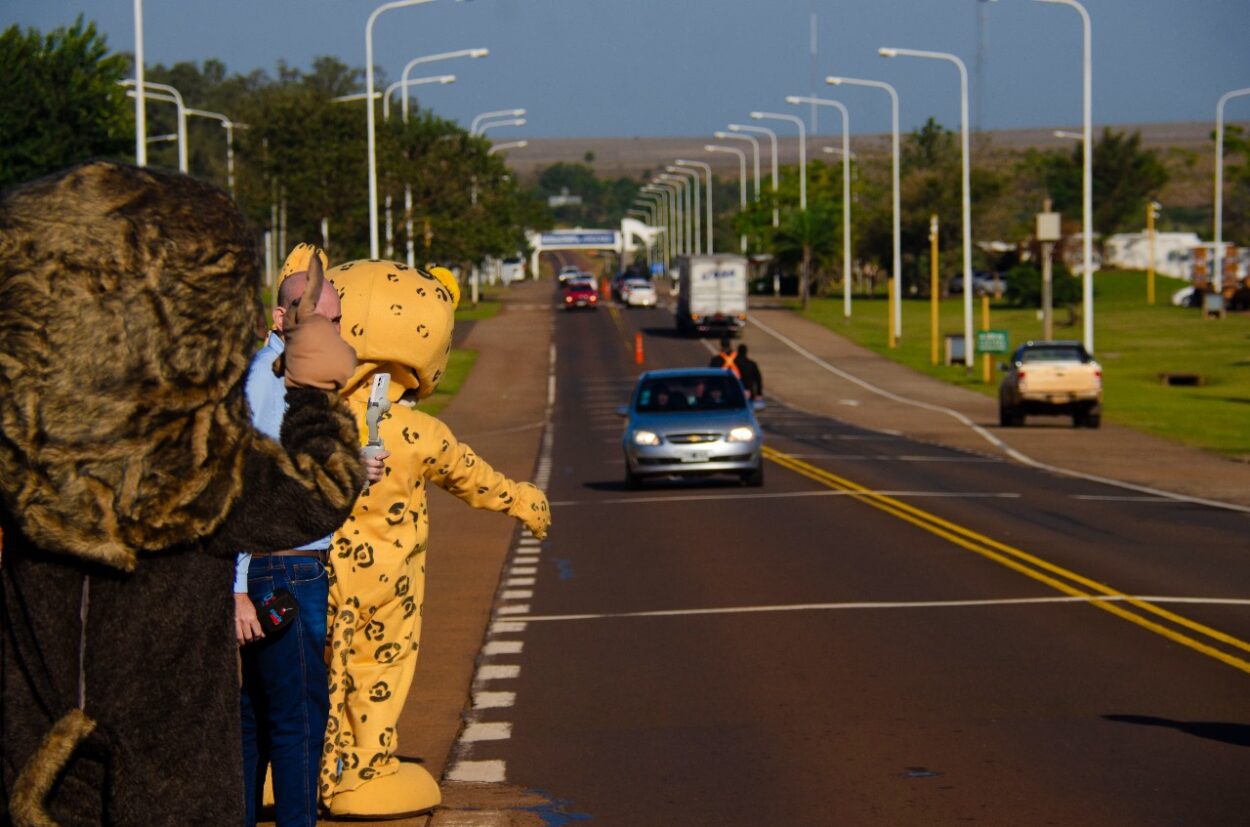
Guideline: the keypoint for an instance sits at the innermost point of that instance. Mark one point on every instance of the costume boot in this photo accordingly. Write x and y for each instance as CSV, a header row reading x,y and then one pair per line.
x,y
408,792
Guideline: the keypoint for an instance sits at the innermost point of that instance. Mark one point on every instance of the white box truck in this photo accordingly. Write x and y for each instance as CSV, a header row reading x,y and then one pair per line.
x,y
712,294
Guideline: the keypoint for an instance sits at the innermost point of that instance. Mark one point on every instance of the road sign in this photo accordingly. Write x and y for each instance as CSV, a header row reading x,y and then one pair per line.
x,y
993,341
584,239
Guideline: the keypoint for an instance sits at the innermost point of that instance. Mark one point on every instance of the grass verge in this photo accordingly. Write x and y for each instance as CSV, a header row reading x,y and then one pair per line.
x,y
1134,341
459,363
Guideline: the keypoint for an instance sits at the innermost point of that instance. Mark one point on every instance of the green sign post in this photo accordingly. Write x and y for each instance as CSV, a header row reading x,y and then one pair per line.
x,y
993,341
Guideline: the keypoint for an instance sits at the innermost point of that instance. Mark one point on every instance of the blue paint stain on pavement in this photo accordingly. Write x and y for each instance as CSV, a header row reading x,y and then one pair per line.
x,y
564,568
555,812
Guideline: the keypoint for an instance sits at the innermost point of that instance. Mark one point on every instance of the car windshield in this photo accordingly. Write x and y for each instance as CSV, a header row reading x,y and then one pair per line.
x,y
703,392
1053,354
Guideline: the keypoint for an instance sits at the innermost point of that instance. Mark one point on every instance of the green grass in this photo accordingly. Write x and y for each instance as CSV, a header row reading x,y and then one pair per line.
x,y
459,363
486,308
1135,342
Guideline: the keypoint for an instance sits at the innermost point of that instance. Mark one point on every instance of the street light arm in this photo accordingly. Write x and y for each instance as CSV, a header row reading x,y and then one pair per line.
x,y
481,130
408,67
499,113
798,122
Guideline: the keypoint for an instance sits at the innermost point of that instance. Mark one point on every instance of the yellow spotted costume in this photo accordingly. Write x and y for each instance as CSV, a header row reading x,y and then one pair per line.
x,y
399,320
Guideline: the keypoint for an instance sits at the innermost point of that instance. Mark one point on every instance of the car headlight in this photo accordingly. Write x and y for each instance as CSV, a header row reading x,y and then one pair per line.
x,y
645,438
741,434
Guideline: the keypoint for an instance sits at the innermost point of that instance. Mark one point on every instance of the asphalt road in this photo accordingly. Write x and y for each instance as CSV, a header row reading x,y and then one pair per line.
x,y
887,633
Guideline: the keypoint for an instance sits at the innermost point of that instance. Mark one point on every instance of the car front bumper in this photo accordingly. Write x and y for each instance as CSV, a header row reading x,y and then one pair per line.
x,y
702,458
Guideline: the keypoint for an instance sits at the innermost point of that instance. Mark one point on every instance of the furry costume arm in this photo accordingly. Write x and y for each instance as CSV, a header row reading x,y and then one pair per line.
x,y
459,471
301,489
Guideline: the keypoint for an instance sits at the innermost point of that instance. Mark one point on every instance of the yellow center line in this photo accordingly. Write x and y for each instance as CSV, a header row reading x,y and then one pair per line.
x,y
1027,564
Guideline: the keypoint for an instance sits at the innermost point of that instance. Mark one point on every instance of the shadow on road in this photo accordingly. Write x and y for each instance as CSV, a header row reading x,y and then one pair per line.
x,y
1236,734
667,484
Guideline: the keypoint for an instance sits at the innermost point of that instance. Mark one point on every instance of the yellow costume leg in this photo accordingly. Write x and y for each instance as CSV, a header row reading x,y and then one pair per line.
x,y
375,620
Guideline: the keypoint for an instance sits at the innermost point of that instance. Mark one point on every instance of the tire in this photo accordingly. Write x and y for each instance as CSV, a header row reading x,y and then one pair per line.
x,y
1093,419
755,477
632,481
1005,416
1079,419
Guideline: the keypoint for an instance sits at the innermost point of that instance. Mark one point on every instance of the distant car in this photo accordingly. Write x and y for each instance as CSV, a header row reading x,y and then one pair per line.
x,y
1051,378
983,284
639,293
1186,297
691,422
580,294
568,271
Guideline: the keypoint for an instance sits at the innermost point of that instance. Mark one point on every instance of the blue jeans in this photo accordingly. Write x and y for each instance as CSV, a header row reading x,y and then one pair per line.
x,y
285,696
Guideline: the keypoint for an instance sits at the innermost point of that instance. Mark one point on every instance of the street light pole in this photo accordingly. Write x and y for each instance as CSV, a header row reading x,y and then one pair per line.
x,y
370,117
498,113
798,122
898,235
742,182
694,243
1218,259
507,145
416,61
846,192
707,168
403,85
229,126
141,115
1087,171
969,360
755,153
669,216
176,97
772,137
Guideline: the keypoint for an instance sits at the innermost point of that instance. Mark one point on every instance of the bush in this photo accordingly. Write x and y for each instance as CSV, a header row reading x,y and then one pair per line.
x,y
1024,286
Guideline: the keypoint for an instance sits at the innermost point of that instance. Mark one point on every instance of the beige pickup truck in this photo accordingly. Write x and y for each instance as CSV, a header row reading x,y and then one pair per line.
x,y
1055,378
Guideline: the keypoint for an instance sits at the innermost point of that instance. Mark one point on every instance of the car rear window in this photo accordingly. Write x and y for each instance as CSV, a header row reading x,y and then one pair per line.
x,y
1053,354
705,392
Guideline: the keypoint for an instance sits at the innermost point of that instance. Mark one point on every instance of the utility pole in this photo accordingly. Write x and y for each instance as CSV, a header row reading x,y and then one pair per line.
x,y
1048,233
1152,212
933,288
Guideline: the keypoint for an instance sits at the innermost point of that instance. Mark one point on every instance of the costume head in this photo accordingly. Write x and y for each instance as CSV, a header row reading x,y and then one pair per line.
x,y
128,299
399,320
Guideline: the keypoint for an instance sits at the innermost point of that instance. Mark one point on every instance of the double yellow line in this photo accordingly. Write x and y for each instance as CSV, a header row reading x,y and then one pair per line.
x,y
1063,580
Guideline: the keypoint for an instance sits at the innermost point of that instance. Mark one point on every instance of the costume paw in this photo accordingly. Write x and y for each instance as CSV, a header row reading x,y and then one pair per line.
x,y
408,792
530,507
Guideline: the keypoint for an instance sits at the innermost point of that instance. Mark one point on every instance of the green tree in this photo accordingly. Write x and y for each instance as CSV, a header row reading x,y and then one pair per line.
x,y
59,101
1125,178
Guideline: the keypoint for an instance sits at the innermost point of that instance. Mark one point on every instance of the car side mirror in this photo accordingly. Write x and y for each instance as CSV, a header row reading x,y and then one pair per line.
x,y
623,410
758,404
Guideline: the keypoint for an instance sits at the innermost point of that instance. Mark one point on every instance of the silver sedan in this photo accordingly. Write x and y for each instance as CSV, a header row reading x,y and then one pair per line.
x,y
691,422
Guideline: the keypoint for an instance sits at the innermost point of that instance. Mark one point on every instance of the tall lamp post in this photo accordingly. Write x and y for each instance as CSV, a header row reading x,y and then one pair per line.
x,y
402,86
171,94
481,130
417,61
141,115
1218,259
707,169
1087,171
969,360
229,126
772,137
846,191
898,256
665,196
671,192
506,145
798,122
370,118
755,153
742,182
694,243
498,113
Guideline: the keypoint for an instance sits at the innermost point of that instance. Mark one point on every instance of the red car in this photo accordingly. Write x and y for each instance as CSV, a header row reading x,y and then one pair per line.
x,y
580,295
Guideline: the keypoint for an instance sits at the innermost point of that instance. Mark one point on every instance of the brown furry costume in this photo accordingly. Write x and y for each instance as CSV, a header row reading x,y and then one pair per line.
x,y
130,475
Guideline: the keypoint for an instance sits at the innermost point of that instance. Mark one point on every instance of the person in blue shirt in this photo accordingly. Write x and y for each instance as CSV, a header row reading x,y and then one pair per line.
x,y
284,697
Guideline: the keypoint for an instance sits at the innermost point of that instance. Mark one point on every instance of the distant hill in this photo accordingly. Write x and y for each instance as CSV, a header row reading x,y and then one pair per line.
x,y
1187,150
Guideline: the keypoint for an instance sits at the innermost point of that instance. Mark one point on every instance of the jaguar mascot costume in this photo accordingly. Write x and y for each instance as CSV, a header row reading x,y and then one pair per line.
x,y
399,321
130,476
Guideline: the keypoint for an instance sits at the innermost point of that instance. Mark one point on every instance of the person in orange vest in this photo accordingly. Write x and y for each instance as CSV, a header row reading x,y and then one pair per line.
x,y
726,358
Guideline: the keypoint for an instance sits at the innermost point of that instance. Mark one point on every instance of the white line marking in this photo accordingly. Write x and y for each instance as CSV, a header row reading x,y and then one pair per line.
x,y
1000,495
493,700
523,570
517,594
919,604
530,541
499,731
1121,499
514,609
479,772
497,672
986,435
502,647
507,627
520,581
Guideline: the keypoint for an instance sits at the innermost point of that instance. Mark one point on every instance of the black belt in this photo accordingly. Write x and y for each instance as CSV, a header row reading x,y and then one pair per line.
x,y
321,554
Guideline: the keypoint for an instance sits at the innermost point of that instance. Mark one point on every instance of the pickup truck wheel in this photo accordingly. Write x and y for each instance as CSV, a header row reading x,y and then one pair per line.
x,y
1093,420
1009,417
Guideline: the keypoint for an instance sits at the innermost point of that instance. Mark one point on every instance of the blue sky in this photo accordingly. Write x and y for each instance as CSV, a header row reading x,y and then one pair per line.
x,y
688,67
